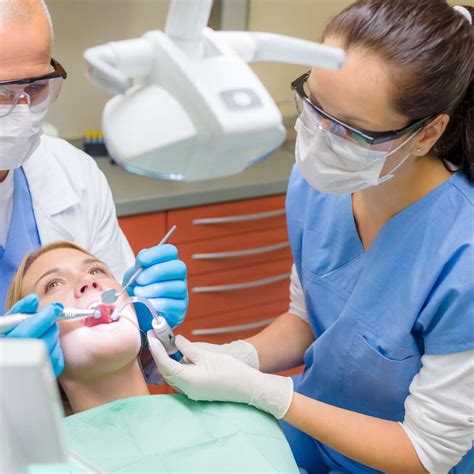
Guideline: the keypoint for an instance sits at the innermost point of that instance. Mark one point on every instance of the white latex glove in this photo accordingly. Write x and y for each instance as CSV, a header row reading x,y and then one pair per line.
x,y
220,377
241,350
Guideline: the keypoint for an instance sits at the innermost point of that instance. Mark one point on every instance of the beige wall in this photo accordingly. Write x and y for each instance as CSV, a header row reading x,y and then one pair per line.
x,y
80,24
302,18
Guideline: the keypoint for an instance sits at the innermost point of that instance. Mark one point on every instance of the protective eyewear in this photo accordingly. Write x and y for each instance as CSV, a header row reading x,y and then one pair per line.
x,y
311,115
32,91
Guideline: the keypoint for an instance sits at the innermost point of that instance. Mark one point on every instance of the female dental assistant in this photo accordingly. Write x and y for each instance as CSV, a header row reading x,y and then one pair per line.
x,y
51,191
380,209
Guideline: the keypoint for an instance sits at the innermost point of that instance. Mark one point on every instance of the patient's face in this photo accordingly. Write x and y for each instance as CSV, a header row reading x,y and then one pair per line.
x,y
77,280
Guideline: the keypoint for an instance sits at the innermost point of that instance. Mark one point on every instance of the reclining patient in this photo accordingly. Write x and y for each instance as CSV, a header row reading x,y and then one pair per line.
x,y
100,355
118,429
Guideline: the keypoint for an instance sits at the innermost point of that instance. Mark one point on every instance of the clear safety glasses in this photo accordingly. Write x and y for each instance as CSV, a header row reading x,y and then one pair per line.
x,y
314,117
32,91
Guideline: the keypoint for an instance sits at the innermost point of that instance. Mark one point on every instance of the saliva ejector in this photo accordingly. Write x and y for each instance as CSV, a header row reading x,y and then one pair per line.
x,y
160,326
11,321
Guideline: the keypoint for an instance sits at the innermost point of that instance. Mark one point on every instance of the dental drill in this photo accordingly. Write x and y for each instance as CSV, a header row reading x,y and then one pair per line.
x,y
11,321
160,326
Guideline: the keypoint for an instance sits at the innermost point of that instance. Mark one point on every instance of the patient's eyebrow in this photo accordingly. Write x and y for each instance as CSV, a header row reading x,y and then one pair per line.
x,y
88,261
53,270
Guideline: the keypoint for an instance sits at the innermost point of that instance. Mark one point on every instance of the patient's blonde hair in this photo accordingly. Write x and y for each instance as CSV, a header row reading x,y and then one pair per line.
x,y
15,291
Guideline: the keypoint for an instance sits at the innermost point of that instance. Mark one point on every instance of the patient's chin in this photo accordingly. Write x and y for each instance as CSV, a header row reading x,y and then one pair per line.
x,y
91,352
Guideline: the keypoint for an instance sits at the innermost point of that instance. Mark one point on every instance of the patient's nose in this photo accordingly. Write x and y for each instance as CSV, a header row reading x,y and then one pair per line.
x,y
87,286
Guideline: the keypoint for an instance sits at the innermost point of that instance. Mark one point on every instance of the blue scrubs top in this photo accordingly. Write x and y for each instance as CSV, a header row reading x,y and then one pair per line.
x,y
375,313
23,236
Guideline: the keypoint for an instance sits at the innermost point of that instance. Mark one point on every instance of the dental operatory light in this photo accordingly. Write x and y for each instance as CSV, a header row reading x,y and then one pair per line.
x,y
187,106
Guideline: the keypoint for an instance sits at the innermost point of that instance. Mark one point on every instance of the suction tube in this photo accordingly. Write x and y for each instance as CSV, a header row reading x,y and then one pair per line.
x,y
160,326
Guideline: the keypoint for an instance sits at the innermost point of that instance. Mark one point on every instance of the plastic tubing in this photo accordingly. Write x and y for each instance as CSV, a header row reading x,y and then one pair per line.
x,y
160,326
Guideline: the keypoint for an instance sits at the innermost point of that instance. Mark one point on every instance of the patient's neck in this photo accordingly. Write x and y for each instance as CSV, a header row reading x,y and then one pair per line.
x,y
124,383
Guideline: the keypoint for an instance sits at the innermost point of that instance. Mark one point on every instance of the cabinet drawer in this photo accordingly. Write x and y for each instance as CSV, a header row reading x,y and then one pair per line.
x,y
217,220
233,325
235,251
239,288
290,372
144,230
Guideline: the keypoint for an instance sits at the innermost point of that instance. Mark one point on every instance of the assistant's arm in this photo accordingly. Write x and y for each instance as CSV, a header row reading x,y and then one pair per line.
x,y
282,345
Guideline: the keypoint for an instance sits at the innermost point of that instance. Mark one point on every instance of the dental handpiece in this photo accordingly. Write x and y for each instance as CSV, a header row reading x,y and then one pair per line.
x,y
11,321
165,334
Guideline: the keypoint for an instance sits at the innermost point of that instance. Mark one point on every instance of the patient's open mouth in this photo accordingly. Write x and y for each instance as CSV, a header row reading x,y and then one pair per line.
x,y
106,311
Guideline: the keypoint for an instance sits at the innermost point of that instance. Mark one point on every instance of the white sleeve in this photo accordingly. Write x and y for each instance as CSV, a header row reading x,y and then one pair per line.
x,y
439,412
297,303
107,239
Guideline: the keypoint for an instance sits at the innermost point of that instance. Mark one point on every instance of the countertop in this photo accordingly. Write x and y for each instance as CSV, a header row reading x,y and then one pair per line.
x,y
135,194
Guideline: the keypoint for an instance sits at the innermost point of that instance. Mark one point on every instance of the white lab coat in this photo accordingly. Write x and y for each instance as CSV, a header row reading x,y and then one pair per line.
x,y
72,201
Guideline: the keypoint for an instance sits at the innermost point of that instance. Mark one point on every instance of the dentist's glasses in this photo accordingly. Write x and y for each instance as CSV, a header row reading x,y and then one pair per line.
x,y
31,91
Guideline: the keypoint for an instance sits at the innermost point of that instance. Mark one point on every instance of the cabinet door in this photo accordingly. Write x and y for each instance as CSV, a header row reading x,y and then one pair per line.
x,y
233,324
239,288
218,220
143,230
241,250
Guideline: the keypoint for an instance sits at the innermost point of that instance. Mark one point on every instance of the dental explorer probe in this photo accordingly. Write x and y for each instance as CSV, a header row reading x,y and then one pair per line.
x,y
11,321
110,296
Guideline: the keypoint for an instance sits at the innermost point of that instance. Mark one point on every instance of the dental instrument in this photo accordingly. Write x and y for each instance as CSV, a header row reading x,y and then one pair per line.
x,y
160,326
186,104
111,295
11,321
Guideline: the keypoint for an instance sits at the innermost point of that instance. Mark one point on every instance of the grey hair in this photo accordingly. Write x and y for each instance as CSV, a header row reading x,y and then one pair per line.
x,y
21,10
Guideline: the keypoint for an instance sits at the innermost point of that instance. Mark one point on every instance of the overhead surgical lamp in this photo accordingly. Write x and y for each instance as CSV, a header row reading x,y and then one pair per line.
x,y
187,106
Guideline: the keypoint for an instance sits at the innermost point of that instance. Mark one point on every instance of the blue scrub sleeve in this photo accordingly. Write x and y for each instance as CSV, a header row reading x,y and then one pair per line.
x,y
447,320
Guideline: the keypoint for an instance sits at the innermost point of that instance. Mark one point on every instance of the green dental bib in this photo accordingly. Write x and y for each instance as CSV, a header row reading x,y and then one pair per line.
x,y
170,433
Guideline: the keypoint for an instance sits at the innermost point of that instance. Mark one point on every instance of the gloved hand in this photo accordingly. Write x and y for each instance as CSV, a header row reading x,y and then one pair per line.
x,y
220,377
163,282
40,326
241,350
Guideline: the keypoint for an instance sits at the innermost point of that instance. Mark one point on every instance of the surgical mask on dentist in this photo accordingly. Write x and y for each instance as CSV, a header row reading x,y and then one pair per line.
x,y
334,165
20,133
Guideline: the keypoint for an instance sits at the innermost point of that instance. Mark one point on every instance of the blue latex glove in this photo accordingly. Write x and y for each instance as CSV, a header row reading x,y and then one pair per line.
x,y
40,326
162,282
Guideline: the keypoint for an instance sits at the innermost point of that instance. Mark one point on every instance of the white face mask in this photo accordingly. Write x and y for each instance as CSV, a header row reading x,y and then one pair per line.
x,y
20,133
334,165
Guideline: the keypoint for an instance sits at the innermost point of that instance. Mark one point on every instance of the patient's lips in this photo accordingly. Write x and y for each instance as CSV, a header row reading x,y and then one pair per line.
x,y
106,311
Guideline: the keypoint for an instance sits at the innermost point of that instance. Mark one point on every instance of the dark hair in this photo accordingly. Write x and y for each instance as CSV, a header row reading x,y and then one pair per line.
x,y
431,46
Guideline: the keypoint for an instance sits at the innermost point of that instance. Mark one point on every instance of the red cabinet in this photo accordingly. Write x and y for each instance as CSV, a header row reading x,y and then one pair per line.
x,y
238,259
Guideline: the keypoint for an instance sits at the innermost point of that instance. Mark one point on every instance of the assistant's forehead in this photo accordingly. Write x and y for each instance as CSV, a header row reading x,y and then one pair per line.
x,y
363,87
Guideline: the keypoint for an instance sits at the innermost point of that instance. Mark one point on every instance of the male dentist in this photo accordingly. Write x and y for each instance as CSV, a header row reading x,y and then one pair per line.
x,y
51,191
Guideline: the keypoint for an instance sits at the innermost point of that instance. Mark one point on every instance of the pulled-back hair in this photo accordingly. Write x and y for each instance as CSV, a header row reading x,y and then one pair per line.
x,y
430,48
